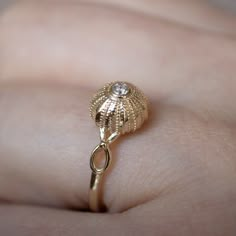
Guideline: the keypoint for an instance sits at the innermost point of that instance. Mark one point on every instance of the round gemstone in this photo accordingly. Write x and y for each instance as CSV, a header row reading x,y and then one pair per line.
x,y
120,88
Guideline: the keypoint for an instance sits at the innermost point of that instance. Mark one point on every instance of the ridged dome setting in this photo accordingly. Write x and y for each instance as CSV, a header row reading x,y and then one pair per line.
x,y
120,107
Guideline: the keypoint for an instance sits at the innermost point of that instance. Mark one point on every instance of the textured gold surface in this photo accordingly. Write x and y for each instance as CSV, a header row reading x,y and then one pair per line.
x,y
119,114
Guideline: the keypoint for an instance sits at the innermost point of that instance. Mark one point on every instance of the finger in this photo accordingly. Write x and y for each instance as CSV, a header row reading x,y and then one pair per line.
x,y
194,213
198,14
42,129
47,136
25,220
80,43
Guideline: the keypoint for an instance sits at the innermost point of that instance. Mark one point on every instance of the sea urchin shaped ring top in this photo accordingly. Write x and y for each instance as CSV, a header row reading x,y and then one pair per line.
x,y
117,108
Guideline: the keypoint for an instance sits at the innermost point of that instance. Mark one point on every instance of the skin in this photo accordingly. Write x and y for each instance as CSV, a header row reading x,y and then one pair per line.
x,y
176,175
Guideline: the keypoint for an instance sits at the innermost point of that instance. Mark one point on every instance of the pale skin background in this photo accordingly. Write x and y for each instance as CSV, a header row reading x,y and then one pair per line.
x,y
176,176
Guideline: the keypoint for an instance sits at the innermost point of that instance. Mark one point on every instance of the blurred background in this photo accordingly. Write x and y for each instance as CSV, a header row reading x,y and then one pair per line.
x,y
227,4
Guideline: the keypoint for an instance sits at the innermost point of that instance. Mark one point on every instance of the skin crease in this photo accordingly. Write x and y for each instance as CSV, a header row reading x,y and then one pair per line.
x,y
175,176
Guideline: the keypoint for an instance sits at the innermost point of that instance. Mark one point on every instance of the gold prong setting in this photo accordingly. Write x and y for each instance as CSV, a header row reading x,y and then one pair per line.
x,y
120,107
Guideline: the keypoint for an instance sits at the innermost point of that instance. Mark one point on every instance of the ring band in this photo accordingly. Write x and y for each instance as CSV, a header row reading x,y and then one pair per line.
x,y
117,108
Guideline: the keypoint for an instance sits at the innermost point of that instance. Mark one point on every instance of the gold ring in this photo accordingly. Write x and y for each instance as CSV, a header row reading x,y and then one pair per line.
x,y
117,108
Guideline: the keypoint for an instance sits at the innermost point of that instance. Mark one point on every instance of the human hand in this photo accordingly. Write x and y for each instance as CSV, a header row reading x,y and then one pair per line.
x,y
176,176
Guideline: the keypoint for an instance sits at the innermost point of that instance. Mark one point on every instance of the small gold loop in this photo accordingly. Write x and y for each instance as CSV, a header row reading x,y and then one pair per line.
x,y
110,139
107,153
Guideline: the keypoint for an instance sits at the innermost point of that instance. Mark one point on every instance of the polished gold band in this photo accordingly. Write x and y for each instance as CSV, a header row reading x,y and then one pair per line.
x,y
95,195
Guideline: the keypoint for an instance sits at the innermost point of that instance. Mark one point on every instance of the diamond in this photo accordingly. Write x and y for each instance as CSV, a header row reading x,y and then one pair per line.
x,y
120,89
